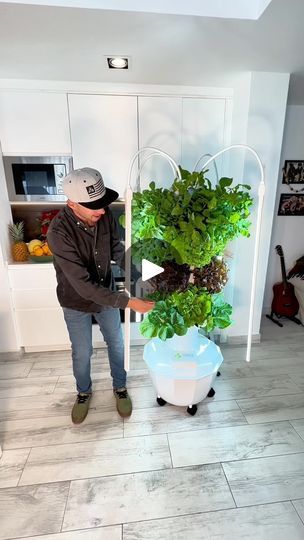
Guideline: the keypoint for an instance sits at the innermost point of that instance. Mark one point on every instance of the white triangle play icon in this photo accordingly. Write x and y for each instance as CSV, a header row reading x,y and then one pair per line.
x,y
149,270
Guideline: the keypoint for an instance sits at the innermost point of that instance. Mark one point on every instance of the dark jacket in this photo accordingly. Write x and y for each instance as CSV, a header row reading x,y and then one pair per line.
x,y
82,260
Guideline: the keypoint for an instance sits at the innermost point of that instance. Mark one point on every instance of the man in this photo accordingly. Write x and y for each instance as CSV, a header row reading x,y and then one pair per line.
x,y
83,238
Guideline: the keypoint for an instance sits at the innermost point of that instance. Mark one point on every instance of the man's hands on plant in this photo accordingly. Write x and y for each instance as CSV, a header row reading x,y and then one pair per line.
x,y
142,306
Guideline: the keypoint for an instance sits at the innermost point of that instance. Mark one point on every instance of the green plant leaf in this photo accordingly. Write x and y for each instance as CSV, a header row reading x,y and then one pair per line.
x,y
180,330
122,220
176,211
221,312
147,329
225,182
166,332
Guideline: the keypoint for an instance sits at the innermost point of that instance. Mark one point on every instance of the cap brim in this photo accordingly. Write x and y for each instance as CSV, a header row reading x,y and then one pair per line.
x,y
109,197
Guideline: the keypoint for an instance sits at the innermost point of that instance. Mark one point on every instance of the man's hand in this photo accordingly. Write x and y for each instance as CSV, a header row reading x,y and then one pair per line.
x,y
142,306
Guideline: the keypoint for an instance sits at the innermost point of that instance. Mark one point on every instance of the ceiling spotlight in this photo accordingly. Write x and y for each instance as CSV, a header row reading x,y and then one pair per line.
x,y
118,62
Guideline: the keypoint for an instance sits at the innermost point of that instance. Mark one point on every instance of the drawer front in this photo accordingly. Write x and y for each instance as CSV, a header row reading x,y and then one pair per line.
x,y
35,299
41,327
33,276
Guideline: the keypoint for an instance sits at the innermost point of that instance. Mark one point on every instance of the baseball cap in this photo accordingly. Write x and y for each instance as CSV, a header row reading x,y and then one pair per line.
x,y
85,186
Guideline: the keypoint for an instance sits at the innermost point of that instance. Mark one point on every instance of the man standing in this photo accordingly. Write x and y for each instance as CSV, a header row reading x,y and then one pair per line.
x,y
83,238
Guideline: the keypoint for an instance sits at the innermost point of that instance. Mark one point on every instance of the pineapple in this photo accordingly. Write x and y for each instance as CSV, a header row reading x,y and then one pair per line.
x,y
19,248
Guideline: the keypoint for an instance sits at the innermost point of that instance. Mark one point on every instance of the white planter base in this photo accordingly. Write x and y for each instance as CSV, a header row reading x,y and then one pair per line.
x,y
183,368
182,392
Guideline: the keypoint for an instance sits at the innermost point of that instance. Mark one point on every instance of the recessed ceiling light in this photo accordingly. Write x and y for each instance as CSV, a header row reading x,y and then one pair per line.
x,y
118,62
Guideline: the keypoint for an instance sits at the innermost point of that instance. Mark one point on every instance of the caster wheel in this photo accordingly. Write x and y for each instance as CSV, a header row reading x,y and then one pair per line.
x,y
218,373
211,392
192,410
161,402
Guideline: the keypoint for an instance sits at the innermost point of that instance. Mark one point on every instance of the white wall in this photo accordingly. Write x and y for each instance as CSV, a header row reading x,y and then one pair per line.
x,y
287,230
266,114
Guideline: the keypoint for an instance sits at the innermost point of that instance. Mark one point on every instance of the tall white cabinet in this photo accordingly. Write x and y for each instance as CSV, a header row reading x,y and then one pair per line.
x,y
204,130
106,131
104,135
185,128
159,126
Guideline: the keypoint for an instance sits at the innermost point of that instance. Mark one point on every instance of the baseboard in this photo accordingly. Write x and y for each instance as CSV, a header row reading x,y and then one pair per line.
x,y
231,340
66,347
46,348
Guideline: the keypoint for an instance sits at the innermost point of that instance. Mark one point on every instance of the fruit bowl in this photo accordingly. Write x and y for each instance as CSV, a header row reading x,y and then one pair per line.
x,y
41,258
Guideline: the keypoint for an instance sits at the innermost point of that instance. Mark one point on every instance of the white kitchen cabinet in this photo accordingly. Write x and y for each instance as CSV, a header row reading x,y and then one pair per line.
x,y
185,128
32,276
159,124
34,123
42,329
205,130
38,316
104,135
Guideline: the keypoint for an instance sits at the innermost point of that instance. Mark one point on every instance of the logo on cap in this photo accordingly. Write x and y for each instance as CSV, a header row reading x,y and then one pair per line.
x,y
91,190
96,190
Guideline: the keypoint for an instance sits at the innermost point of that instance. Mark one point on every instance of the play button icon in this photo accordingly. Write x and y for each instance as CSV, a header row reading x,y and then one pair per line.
x,y
144,274
149,270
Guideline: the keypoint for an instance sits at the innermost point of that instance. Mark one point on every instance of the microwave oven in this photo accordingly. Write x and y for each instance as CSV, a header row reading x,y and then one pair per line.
x,y
36,178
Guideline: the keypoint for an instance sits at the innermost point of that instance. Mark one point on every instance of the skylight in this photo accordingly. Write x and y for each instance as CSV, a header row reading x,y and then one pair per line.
x,y
235,9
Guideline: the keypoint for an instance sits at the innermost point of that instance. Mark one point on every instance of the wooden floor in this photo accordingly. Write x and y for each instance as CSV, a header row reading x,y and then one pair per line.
x,y
235,470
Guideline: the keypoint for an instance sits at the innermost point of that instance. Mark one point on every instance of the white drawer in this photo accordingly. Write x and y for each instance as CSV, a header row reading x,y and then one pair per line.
x,y
34,299
41,327
32,276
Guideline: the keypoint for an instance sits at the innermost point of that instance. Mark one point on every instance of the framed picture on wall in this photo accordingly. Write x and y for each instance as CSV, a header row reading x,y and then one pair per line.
x,y
293,172
291,205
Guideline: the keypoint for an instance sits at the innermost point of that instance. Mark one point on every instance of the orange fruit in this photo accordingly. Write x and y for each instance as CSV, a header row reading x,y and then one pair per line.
x,y
38,251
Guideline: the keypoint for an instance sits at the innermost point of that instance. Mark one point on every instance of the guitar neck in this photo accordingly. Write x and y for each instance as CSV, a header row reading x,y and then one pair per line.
x,y
283,269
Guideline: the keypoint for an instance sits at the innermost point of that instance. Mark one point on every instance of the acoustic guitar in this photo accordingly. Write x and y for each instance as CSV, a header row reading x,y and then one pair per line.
x,y
284,303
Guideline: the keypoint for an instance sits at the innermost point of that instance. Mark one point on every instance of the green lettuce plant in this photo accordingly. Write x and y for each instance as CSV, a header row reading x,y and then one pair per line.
x,y
188,224
176,312
191,222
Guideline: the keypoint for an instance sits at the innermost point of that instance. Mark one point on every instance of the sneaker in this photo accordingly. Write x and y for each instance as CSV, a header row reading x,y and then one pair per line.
x,y
123,402
80,408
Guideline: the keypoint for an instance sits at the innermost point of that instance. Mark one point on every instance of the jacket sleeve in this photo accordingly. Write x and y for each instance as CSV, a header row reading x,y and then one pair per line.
x,y
69,262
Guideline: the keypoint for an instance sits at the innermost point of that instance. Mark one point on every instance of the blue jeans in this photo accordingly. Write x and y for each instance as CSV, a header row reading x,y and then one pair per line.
x,y
79,326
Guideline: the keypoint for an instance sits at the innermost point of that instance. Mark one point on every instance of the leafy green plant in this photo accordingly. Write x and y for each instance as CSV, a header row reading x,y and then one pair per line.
x,y
163,321
220,314
174,313
191,222
187,226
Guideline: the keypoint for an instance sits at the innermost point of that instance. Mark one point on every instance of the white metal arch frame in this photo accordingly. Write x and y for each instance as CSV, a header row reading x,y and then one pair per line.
x,y
128,219
128,202
214,163
261,194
